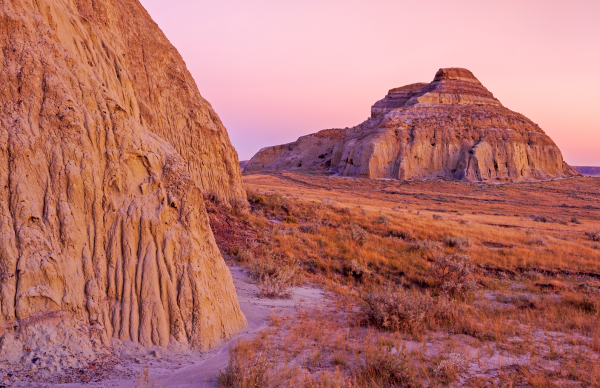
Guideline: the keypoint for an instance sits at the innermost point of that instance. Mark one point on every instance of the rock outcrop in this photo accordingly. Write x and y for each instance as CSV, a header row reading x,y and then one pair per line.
x,y
106,147
587,170
451,128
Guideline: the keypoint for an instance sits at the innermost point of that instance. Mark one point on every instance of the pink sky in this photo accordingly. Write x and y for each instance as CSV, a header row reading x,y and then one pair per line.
x,y
276,70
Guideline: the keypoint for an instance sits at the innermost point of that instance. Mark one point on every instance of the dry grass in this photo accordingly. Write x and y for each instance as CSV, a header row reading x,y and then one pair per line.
x,y
418,301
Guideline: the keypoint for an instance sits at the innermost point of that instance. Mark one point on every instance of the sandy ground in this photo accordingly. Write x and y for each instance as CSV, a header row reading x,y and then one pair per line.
x,y
199,369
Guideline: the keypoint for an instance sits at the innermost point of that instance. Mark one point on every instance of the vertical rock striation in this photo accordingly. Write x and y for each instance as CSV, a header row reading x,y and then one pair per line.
x,y
451,128
102,219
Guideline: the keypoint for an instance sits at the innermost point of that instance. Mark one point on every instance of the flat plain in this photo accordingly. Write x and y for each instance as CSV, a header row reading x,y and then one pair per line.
x,y
428,283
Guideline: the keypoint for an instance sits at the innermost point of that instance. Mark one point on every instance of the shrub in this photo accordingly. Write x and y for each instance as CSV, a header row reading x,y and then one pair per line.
x,y
575,220
244,255
355,233
275,276
594,236
255,199
384,369
540,219
403,234
457,242
425,245
453,275
312,228
406,311
290,220
245,373
450,366
539,240
239,207
438,217
356,270
382,220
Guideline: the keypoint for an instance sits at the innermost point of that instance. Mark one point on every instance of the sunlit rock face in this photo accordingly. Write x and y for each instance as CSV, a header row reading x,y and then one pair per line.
x,y
451,128
106,147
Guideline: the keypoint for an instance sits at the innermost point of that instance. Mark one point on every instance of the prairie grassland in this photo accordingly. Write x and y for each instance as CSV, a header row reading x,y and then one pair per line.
x,y
430,283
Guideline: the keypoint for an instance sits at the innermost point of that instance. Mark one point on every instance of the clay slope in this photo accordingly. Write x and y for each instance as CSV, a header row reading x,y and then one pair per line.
x,y
103,230
451,128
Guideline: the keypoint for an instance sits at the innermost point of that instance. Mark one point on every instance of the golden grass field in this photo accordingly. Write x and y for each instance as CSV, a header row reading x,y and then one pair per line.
x,y
429,283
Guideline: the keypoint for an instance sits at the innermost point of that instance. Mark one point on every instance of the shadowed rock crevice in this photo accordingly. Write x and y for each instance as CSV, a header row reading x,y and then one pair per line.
x,y
452,128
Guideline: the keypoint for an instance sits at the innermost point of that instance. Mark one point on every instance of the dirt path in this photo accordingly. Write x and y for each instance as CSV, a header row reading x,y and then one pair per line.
x,y
199,369
257,311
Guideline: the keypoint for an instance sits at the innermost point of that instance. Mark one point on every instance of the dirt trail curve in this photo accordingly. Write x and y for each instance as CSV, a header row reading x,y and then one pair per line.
x,y
200,369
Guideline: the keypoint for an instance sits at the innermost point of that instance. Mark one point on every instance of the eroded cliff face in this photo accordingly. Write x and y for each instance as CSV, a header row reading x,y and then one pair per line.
x,y
103,229
452,128
167,99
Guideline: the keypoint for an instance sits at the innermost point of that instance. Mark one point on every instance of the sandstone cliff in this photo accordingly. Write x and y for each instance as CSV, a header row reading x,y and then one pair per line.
x,y
105,148
451,128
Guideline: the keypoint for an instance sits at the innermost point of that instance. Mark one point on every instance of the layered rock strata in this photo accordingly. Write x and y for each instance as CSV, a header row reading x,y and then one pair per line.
x,y
103,229
451,128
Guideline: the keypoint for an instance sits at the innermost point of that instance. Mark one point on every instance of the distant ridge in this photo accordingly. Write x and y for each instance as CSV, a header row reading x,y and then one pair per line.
x,y
243,164
588,171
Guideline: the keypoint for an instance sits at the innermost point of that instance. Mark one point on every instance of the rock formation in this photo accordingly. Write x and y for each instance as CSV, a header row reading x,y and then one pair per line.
x,y
451,128
587,170
105,148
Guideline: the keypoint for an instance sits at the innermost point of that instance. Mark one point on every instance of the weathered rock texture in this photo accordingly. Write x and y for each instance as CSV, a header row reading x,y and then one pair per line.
x,y
105,147
452,128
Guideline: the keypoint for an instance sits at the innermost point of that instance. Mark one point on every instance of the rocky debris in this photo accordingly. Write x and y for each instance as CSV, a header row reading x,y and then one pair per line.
x,y
104,234
452,128
587,171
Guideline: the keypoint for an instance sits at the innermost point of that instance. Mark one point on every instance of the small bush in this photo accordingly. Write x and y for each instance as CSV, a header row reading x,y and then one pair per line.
x,y
594,236
403,234
290,220
255,199
450,366
274,275
453,275
540,219
239,207
457,242
244,255
425,245
356,270
245,373
384,369
406,311
355,233
575,220
382,220
438,217
311,228
539,240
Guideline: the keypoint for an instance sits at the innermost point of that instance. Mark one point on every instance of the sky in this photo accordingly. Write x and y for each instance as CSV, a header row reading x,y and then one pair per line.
x,y
275,70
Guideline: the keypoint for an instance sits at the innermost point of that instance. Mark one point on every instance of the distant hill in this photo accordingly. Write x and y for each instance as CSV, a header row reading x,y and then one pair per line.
x,y
588,171
243,164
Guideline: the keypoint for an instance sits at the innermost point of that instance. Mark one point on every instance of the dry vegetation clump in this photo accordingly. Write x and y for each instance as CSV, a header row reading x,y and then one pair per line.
x,y
457,242
274,275
245,373
594,236
453,275
425,246
409,311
